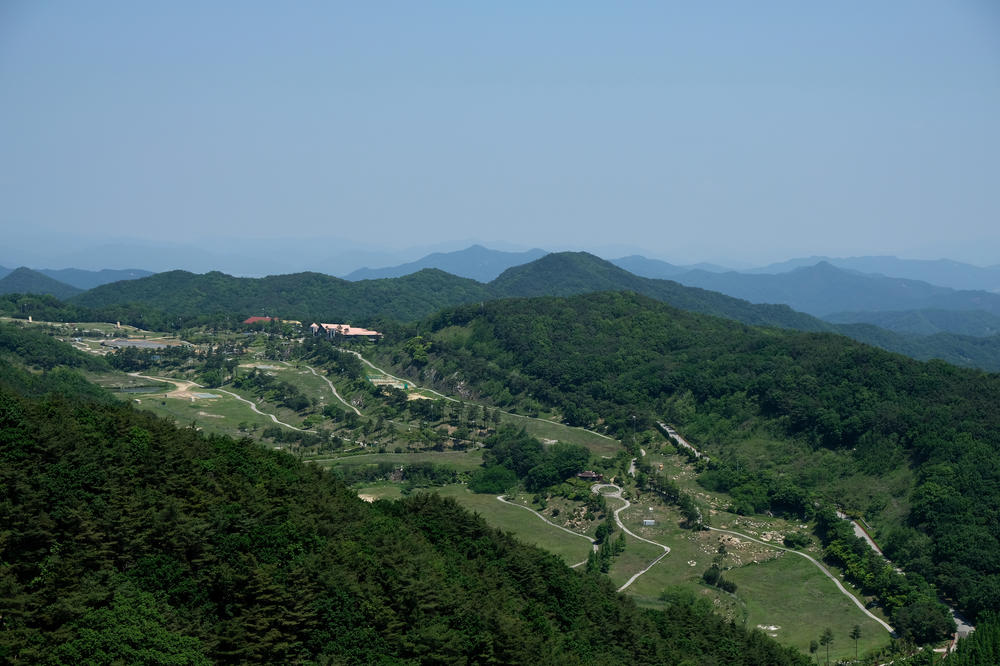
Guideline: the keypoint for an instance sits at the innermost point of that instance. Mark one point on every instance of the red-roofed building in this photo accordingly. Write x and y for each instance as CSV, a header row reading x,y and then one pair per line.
x,y
254,320
344,330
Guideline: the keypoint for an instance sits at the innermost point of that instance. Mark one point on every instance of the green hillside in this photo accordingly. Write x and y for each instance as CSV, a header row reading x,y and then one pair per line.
x,y
128,540
303,296
168,301
571,273
840,418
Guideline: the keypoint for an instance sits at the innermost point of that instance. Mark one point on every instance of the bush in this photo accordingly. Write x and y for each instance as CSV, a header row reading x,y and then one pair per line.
x,y
494,479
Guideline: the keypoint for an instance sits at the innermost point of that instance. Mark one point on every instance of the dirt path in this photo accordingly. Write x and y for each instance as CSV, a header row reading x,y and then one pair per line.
x,y
617,494
183,391
857,602
328,383
558,527
442,395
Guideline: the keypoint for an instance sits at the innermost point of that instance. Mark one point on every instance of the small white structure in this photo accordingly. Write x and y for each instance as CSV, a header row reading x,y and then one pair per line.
x,y
648,522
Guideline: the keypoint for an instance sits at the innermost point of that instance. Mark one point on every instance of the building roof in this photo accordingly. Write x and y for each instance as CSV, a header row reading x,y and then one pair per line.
x,y
347,330
254,320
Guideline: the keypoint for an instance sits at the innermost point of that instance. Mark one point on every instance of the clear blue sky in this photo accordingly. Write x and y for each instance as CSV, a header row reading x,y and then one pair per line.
x,y
724,131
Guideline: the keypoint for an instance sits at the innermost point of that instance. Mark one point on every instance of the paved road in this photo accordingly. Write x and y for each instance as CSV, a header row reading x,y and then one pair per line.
x,y
617,494
962,626
680,440
673,433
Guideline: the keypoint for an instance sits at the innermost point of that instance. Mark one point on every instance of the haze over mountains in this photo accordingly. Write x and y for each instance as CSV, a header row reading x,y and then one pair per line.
x,y
914,317
76,277
476,262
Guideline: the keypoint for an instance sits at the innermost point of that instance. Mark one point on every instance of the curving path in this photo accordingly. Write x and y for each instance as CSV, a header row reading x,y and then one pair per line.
x,y
829,575
330,384
560,527
442,395
617,494
857,602
184,386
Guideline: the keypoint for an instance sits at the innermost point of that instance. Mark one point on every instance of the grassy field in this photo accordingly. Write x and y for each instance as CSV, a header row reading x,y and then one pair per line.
x,y
790,593
221,415
525,526
774,589
548,430
463,461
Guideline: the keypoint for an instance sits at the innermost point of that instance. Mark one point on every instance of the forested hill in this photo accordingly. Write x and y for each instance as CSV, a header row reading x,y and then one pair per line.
x,y
571,273
316,296
178,299
303,296
129,540
599,359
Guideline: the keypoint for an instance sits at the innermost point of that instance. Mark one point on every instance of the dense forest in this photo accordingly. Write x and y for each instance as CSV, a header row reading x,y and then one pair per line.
x,y
129,540
597,360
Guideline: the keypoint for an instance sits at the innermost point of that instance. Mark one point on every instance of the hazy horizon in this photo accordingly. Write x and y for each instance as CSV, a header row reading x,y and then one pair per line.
x,y
740,135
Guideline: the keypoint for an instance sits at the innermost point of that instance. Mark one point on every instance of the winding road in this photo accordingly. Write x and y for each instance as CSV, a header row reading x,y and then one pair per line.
x,y
184,386
617,494
328,383
560,527
857,602
442,395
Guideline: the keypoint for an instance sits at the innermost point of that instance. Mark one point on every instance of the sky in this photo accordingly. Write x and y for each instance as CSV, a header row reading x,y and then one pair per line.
x,y
738,133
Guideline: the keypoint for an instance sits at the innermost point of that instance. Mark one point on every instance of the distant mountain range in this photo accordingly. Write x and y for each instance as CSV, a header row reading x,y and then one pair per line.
x,y
820,288
475,262
825,289
908,316
82,279
182,296
941,272
975,323
26,281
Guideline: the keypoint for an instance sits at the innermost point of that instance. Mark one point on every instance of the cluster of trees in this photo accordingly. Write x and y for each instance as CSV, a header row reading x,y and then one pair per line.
x,y
607,548
136,359
538,466
981,647
413,475
909,600
757,492
42,351
671,493
601,358
129,540
272,389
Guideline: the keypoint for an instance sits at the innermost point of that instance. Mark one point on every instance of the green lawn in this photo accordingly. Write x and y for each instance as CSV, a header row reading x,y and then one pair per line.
x,y
543,430
774,589
463,461
524,525
791,593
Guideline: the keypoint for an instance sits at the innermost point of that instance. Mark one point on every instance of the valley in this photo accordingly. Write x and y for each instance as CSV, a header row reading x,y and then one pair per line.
x,y
710,510
655,558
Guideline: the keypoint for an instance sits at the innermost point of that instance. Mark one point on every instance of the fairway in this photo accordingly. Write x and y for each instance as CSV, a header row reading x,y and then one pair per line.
x,y
462,461
525,526
794,595
549,430
775,589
